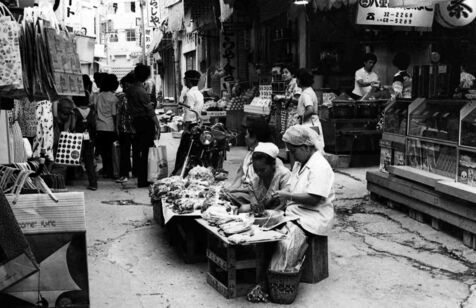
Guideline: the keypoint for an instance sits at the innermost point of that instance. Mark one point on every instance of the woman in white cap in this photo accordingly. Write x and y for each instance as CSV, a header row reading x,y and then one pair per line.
x,y
308,199
271,176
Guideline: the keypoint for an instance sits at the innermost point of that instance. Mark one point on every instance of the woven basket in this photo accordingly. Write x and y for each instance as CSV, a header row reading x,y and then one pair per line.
x,y
283,287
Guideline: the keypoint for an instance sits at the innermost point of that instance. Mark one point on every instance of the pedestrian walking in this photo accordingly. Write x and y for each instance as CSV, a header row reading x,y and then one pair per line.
x,y
105,122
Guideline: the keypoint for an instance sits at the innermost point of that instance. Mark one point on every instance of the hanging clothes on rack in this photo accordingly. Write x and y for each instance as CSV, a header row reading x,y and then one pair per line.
x,y
44,138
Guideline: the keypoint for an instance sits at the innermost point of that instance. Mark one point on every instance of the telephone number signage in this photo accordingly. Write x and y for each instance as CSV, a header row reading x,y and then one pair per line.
x,y
377,12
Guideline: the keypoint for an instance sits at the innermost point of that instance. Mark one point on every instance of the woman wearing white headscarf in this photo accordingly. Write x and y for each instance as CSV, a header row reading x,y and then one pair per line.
x,y
271,176
308,199
310,196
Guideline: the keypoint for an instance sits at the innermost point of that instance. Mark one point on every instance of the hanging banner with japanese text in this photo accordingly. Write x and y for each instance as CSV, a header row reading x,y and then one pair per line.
x,y
153,13
377,13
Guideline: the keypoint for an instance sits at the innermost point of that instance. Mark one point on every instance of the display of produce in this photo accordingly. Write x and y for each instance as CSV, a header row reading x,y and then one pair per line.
x,y
238,102
198,191
435,119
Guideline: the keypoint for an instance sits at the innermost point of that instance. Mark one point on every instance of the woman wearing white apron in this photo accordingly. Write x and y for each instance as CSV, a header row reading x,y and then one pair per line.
x,y
309,198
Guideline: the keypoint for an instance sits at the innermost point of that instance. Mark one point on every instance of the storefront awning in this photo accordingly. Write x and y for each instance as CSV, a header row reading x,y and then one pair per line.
x,y
157,36
323,5
175,17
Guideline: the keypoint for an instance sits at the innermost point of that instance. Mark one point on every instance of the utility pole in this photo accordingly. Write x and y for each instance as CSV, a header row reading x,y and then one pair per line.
x,y
142,3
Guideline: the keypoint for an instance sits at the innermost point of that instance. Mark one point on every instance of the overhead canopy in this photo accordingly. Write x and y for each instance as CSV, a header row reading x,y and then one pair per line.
x,y
175,17
330,4
157,36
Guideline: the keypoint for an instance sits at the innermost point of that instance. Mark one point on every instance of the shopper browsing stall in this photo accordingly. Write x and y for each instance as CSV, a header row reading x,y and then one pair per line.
x,y
85,118
402,81
144,121
365,78
194,100
291,94
124,129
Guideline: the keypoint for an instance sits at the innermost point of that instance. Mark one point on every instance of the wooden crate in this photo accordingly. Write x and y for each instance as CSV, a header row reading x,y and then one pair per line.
x,y
225,267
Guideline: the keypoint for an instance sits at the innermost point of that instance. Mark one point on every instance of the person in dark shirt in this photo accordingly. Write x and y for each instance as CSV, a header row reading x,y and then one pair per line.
x,y
144,121
85,119
124,128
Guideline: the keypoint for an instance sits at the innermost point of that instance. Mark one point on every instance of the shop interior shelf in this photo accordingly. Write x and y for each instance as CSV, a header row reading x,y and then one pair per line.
x,y
438,119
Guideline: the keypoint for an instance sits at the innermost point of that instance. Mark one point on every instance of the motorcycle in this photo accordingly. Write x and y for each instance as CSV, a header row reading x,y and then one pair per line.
x,y
208,146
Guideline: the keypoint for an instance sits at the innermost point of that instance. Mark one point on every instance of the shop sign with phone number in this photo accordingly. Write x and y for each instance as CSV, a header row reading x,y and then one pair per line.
x,y
377,12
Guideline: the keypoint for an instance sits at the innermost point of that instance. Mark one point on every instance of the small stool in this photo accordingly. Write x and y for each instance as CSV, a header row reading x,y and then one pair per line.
x,y
316,267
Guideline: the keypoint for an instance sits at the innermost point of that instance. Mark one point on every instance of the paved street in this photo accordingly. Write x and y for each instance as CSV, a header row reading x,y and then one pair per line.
x,y
378,257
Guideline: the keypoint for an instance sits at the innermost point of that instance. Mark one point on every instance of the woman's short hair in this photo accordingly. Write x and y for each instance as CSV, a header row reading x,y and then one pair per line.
x,y
291,68
109,83
401,60
260,131
268,160
305,77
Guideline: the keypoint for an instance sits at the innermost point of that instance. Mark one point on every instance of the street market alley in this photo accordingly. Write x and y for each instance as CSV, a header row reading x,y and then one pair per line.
x,y
378,257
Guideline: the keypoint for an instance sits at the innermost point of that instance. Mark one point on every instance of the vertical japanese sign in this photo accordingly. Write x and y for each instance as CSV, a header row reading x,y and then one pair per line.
x,y
228,52
377,12
153,13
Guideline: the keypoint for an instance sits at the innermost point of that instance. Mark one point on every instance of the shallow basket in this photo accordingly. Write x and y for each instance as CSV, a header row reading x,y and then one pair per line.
x,y
283,287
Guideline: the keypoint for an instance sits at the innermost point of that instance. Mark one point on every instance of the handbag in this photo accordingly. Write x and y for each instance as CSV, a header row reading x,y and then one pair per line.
x,y
69,149
11,76
157,165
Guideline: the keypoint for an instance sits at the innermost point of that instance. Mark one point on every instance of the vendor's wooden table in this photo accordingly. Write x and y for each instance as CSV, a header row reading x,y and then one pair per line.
x,y
226,270
183,232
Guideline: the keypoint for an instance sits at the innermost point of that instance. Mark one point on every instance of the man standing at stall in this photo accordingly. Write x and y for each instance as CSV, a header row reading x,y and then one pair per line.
x,y
365,78
194,100
144,121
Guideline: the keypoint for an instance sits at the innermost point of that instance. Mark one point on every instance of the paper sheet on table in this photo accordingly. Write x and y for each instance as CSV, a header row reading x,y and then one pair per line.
x,y
169,213
255,235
